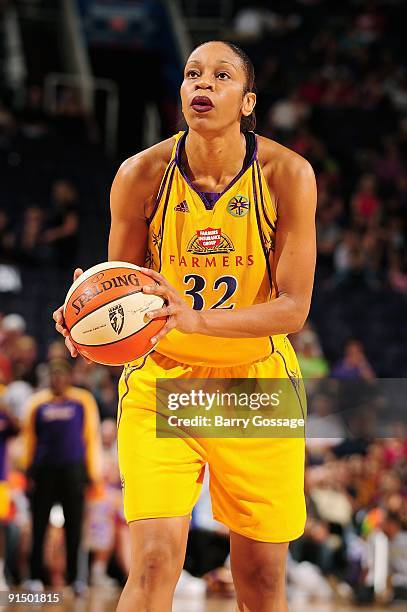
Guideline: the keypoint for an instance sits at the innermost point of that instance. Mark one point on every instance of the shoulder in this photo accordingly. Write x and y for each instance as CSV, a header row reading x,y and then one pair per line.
x,y
81,395
281,166
138,181
148,165
38,398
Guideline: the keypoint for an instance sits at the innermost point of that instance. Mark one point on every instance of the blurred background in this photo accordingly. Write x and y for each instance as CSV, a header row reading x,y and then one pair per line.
x,y
85,84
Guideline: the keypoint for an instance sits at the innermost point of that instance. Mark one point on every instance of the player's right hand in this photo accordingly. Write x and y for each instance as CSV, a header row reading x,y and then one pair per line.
x,y
60,326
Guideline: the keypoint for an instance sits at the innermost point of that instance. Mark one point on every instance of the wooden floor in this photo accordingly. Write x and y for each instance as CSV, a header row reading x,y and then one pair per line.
x,y
106,601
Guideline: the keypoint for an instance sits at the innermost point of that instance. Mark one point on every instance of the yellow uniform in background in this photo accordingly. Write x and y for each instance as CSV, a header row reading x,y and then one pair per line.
x,y
63,431
217,255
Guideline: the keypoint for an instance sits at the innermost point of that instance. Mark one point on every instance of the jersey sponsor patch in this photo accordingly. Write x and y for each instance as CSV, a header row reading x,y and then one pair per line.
x,y
182,207
210,240
238,206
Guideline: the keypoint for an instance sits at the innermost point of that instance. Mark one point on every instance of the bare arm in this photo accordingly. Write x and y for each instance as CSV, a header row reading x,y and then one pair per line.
x,y
293,269
128,229
132,200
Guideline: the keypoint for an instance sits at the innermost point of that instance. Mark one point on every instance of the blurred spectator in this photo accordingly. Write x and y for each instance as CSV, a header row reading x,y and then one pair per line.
x,y
353,267
385,561
324,428
397,273
365,203
393,529
62,233
7,127
56,350
63,454
6,239
309,353
287,114
252,22
29,241
11,329
389,167
354,363
25,354
33,118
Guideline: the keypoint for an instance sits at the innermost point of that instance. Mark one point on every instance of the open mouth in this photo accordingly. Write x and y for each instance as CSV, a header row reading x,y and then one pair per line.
x,y
201,104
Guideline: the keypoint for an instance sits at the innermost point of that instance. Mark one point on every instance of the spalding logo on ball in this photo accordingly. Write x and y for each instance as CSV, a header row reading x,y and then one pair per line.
x,y
105,313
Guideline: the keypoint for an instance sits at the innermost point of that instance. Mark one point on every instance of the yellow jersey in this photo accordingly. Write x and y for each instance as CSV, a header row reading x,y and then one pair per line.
x,y
216,256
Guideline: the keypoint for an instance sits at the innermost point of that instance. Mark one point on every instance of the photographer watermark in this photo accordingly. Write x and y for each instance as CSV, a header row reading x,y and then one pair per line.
x,y
230,408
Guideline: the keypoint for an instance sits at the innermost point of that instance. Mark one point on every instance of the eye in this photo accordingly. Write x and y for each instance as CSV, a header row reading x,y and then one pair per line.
x,y
223,76
191,74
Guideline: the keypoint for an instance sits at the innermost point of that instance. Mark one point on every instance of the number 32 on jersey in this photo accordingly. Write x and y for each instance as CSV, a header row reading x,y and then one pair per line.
x,y
197,283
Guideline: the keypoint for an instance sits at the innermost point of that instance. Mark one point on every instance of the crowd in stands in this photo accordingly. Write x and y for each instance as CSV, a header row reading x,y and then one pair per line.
x,y
332,86
342,104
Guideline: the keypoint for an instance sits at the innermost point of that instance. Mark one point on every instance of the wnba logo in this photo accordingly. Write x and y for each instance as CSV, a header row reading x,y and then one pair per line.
x,y
116,317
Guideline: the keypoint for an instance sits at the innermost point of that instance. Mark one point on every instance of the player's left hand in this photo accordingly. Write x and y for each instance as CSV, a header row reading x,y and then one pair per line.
x,y
180,315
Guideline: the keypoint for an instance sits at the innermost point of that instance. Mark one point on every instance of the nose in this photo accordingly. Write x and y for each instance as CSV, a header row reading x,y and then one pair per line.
x,y
204,83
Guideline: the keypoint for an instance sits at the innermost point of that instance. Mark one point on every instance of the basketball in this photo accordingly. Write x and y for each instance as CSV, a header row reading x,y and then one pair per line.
x,y
105,313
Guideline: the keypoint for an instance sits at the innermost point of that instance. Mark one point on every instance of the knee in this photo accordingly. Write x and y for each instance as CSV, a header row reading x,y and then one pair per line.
x,y
263,578
153,565
270,579
156,559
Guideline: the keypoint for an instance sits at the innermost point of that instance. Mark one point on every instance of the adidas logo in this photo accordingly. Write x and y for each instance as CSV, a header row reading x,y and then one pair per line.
x,y
183,207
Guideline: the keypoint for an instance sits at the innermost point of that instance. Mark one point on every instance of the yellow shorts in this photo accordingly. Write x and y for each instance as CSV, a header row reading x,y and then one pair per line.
x,y
5,500
256,484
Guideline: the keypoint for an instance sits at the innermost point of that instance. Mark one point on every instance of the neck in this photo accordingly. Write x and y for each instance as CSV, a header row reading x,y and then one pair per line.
x,y
219,157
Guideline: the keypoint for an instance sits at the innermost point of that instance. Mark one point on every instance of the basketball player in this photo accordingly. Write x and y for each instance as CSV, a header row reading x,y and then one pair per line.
x,y
224,223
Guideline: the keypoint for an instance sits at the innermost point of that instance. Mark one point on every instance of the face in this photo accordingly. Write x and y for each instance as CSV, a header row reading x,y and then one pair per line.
x,y
59,381
212,91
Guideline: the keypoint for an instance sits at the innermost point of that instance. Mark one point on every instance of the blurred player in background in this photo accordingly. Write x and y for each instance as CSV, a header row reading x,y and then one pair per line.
x,y
63,454
224,221
9,427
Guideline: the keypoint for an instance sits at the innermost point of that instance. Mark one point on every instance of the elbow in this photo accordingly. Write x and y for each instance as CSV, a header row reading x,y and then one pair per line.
x,y
297,325
297,319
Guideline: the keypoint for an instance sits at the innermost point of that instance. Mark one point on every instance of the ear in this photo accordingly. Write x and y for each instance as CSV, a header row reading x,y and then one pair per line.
x,y
249,102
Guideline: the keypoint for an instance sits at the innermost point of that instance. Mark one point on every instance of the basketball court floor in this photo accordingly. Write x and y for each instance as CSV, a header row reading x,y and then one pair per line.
x,y
99,600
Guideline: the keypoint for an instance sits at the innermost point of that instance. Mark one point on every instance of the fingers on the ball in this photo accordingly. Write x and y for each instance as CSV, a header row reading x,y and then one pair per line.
x,y
167,327
61,329
70,347
166,311
155,289
149,272
77,273
57,315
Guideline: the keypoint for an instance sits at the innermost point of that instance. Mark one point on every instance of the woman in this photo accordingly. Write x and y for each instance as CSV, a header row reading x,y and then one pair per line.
x,y
224,222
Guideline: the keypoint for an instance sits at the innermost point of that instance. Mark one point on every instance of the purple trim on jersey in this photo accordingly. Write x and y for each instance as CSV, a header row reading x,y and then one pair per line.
x,y
59,432
266,253
211,199
208,204
270,224
162,227
160,193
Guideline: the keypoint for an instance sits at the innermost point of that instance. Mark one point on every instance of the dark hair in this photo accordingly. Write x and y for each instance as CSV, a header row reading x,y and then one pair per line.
x,y
247,124
392,516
